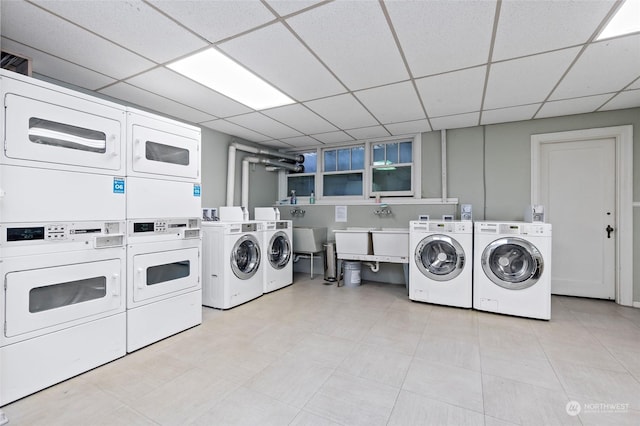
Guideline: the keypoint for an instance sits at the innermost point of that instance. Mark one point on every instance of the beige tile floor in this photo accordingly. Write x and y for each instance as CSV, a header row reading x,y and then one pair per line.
x,y
312,354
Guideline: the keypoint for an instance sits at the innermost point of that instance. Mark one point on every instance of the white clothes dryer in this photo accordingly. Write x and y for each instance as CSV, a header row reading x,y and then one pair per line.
x,y
278,263
164,290
441,262
232,263
512,268
63,302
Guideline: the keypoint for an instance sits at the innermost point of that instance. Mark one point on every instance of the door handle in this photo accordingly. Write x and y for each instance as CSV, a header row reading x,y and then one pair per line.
x,y
609,230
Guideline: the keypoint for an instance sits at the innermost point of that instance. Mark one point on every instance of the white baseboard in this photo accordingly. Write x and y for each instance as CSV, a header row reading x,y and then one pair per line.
x,y
636,304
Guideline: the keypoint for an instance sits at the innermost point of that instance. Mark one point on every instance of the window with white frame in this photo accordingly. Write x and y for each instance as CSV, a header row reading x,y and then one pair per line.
x,y
304,183
391,168
343,171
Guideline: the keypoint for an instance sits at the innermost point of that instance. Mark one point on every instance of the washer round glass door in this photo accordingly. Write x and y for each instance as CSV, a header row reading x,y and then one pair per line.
x,y
279,250
440,257
245,257
512,263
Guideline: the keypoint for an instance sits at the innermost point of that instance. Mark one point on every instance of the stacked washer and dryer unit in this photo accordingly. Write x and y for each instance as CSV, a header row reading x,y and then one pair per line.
x,y
62,235
501,267
164,289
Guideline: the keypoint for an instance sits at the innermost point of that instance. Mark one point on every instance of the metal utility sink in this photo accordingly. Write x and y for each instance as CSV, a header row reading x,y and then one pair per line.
x,y
309,239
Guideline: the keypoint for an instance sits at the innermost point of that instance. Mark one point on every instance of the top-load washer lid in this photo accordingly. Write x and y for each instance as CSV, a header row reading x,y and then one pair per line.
x,y
512,263
279,250
440,257
245,257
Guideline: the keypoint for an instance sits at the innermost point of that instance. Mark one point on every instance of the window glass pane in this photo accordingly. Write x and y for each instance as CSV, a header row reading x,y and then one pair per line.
x,y
166,153
405,152
378,154
357,158
65,294
47,132
343,184
330,161
168,272
398,179
344,160
310,162
303,185
392,153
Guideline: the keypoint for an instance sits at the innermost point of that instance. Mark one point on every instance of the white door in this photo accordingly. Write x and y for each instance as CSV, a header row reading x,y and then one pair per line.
x,y
577,190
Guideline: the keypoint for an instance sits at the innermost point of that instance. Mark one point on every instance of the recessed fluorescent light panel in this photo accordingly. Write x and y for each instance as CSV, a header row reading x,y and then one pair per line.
x,y
625,21
217,71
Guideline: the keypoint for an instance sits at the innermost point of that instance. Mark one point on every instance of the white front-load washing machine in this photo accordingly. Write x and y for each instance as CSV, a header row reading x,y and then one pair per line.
x,y
512,268
232,263
440,268
278,263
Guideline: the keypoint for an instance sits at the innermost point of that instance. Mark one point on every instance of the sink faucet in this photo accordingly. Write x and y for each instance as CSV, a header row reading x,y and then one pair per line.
x,y
297,212
384,211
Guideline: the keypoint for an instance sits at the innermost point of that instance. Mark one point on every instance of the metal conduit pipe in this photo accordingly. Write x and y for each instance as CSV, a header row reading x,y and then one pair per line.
x,y
231,171
298,158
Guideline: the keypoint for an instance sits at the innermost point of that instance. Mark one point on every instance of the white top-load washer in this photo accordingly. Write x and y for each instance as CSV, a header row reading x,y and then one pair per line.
x,y
440,268
512,268
232,263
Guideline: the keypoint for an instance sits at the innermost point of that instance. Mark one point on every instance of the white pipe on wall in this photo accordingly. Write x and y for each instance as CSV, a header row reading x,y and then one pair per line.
x,y
245,179
231,172
443,148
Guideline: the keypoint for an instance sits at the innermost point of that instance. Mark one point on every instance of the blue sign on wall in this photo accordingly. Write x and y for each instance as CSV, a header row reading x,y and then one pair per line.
x,y
118,186
196,190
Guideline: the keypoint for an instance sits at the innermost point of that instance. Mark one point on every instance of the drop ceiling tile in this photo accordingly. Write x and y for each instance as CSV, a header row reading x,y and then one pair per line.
x,y
300,118
526,80
354,40
430,31
276,144
626,99
155,103
393,103
333,137
301,141
605,66
39,29
277,56
265,125
234,130
56,68
452,93
635,85
135,25
344,111
172,85
408,127
527,27
505,115
572,106
286,7
368,132
455,121
216,20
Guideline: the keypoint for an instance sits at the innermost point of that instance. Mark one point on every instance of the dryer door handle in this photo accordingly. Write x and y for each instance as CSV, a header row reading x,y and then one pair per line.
x,y
116,285
139,277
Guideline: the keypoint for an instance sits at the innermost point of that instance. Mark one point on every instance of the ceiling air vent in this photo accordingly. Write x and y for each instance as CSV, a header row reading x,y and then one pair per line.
x,y
16,63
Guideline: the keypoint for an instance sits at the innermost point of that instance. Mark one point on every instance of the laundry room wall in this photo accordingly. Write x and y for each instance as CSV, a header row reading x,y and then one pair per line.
x,y
488,167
